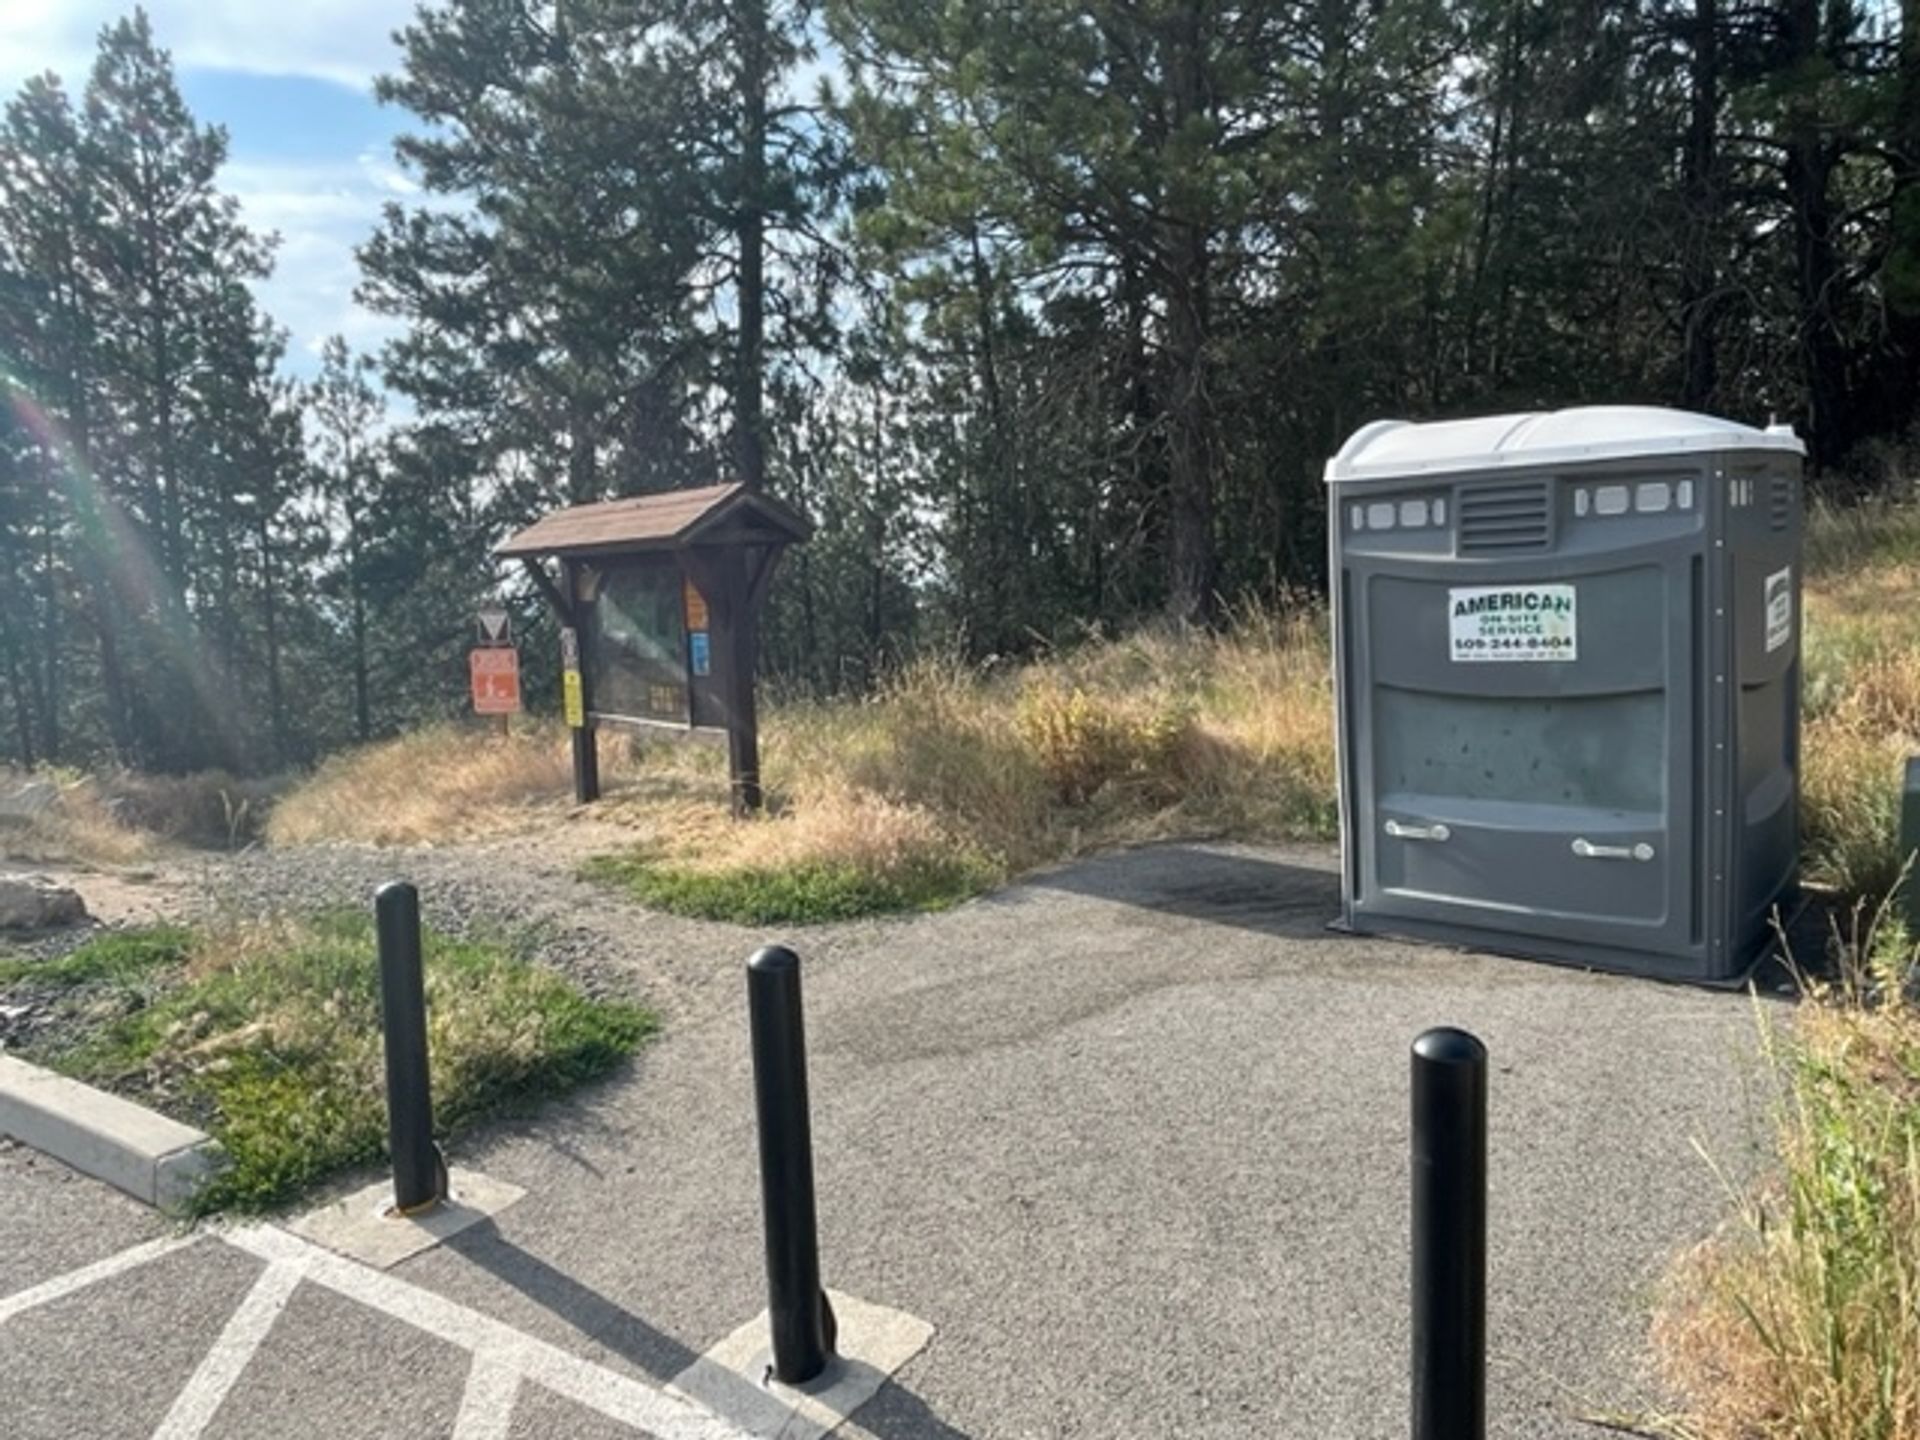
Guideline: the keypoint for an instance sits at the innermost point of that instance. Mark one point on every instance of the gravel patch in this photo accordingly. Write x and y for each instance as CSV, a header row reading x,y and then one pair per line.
x,y
524,889
39,1012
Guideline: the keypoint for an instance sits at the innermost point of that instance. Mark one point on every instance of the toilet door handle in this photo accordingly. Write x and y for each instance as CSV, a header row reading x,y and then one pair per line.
x,y
1587,850
1418,832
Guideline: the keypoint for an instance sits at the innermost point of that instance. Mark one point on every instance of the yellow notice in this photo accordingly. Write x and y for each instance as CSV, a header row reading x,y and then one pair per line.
x,y
696,606
573,699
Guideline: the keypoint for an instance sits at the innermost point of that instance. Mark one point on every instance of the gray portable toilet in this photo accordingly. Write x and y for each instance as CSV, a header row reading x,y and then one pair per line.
x,y
1567,656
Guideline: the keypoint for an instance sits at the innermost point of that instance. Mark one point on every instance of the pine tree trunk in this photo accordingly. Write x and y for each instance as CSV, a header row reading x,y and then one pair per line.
x,y
992,618
749,379
1902,268
876,556
1188,404
1190,440
1811,157
51,625
583,470
1700,190
22,699
113,684
362,709
270,619
1809,170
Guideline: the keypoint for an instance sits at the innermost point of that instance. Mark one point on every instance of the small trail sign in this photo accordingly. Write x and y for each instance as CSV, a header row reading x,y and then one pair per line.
x,y
496,627
572,691
495,671
695,605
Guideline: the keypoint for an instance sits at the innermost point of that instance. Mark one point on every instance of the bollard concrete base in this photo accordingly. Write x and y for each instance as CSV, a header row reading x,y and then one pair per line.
x,y
735,1378
361,1227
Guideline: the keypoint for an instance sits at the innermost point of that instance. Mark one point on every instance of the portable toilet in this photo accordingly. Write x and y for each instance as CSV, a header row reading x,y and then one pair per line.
x,y
1567,662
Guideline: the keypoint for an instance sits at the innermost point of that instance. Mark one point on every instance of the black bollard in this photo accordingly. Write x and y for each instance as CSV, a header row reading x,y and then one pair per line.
x,y
802,1321
1449,1236
419,1174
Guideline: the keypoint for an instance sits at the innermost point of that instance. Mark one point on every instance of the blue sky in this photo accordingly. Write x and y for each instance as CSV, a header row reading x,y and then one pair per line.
x,y
310,150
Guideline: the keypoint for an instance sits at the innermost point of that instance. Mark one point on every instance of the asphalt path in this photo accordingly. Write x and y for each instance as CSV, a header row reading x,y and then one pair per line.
x,y
1131,1136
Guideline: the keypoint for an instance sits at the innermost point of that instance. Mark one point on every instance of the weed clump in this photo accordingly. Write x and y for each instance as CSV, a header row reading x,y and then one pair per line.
x,y
1084,744
1803,1319
1861,657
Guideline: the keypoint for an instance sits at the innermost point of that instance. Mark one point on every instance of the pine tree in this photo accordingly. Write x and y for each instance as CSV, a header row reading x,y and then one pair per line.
x,y
346,413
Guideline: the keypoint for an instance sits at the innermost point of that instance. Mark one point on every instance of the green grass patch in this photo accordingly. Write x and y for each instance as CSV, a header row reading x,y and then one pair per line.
x,y
121,956
271,1040
804,893
1800,1319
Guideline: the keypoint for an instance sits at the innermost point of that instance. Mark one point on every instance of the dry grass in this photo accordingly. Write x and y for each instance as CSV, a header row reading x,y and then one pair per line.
x,y
948,778
82,826
1862,661
122,817
1120,740
1158,734
855,827
444,783
1803,1319
210,809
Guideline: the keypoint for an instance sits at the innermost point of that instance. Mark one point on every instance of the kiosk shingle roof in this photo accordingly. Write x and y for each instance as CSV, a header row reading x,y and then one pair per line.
x,y
654,522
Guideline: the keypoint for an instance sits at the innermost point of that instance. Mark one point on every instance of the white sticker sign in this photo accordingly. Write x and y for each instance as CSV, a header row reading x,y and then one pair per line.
x,y
1513,622
1779,608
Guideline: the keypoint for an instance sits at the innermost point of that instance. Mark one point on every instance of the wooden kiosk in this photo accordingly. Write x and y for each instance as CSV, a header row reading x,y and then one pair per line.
x,y
660,599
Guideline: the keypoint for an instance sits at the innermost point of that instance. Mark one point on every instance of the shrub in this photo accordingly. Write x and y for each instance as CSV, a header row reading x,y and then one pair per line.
x,y
207,808
1804,1319
1084,744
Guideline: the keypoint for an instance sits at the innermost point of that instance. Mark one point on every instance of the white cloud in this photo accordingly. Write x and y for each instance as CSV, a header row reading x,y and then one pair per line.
x,y
322,210
349,41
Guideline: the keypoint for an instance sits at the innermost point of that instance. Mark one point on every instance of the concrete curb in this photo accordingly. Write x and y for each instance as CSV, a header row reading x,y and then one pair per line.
x,y
154,1159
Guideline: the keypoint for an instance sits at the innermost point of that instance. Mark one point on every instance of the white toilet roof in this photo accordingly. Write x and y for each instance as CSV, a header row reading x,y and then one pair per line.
x,y
1392,448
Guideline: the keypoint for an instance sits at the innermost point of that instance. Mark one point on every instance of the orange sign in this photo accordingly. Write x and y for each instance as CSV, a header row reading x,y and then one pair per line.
x,y
696,605
496,680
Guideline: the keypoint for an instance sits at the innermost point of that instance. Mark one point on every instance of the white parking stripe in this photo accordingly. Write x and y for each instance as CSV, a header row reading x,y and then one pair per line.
x,y
208,1386
487,1406
614,1395
100,1270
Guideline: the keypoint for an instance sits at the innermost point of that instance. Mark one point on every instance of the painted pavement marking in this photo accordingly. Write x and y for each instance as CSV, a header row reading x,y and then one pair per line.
x,y
207,1388
503,1357
73,1280
486,1407
613,1395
